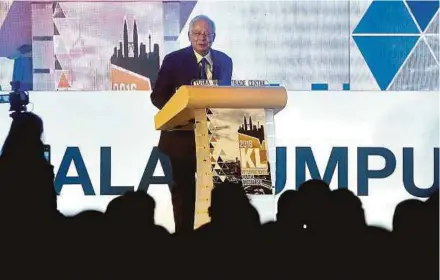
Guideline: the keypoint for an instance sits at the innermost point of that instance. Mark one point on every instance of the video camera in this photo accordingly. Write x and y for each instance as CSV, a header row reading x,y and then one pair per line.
x,y
18,99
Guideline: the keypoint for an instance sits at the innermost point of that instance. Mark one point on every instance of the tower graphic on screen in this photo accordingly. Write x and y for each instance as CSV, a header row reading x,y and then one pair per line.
x,y
134,66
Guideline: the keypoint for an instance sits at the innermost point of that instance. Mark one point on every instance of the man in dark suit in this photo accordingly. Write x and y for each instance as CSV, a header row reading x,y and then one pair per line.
x,y
198,61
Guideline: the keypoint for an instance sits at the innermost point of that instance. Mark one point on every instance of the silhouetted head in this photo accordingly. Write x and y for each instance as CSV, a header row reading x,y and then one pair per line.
x,y
312,206
24,138
315,187
286,206
347,212
136,207
408,216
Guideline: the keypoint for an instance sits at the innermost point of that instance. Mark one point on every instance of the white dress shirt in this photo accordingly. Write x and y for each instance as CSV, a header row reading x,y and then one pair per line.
x,y
208,66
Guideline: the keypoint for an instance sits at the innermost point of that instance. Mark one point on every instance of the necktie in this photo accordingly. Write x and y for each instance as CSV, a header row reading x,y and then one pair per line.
x,y
203,63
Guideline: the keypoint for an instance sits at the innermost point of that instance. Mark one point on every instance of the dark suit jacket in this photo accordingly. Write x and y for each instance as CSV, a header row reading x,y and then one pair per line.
x,y
180,68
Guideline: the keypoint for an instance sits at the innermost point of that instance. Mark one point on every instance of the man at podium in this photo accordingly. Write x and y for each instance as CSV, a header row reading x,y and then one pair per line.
x,y
198,61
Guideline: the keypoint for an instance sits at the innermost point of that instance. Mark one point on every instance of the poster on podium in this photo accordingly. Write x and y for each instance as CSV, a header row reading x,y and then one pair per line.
x,y
239,149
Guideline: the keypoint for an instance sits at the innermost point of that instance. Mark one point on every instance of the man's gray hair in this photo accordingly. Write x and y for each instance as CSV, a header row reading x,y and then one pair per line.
x,y
205,18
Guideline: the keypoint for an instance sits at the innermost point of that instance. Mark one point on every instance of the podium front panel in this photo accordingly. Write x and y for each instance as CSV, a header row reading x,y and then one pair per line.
x,y
234,146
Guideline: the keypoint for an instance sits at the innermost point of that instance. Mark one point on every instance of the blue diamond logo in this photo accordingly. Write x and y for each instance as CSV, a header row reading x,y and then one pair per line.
x,y
387,33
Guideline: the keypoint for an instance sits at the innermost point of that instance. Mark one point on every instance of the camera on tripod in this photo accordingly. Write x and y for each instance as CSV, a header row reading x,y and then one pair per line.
x,y
17,99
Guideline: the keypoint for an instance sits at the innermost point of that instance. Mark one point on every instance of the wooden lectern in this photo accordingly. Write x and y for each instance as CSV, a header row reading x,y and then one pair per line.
x,y
234,132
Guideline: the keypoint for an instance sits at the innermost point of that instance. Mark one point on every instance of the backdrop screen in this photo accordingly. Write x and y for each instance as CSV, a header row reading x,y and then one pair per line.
x,y
304,45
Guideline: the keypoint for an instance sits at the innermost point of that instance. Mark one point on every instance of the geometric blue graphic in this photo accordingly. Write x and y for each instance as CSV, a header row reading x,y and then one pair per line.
x,y
386,17
385,55
346,87
319,86
433,28
393,29
423,11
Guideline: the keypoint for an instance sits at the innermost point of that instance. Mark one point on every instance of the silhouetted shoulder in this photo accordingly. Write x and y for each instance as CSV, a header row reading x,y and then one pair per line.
x,y
3,167
161,231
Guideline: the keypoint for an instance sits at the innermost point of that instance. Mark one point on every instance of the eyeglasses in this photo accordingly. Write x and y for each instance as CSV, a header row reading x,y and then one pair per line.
x,y
198,35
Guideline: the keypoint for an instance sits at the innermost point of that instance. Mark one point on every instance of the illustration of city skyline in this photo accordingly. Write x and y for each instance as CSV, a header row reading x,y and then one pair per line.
x,y
133,55
86,41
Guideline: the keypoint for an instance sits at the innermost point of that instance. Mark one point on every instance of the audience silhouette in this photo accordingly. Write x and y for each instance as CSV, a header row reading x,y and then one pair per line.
x,y
318,232
28,202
